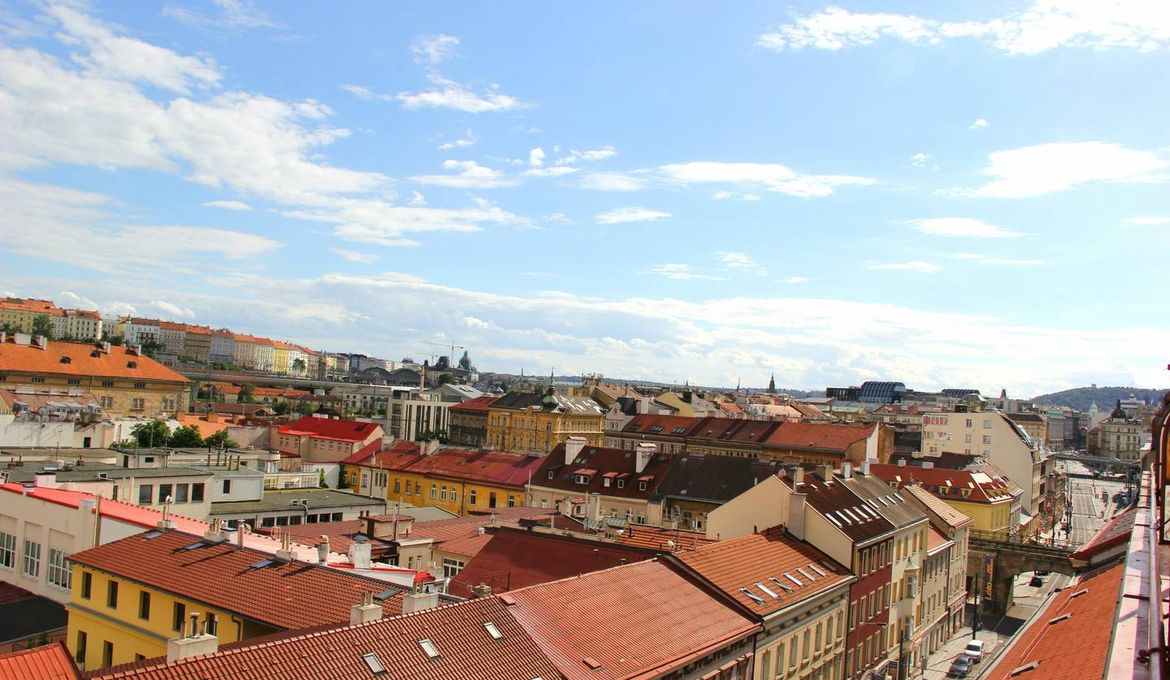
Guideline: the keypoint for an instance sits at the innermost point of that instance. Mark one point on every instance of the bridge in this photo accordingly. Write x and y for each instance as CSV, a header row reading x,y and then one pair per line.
x,y
1010,557
1099,460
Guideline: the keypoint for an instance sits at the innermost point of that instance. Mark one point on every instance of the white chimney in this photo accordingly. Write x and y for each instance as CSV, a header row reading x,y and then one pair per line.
x,y
365,612
826,471
359,555
573,447
927,464
285,554
192,643
797,476
795,524
419,601
847,470
865,467
901,462
643,454
47,479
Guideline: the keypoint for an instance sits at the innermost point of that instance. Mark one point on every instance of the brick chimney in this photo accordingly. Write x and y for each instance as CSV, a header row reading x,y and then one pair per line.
x,y
573,447
365,612
643,455
193,642
482,590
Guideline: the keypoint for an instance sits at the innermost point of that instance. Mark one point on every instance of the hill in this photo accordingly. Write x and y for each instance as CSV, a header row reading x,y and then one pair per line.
x,y
1081,398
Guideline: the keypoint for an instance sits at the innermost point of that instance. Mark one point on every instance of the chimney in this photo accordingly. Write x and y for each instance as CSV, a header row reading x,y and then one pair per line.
x,y
573,447
40,342
46,479
847,470
643,453
901,462
419,600
365,612
196,644
865,467
826,470
359,555
323,549
482,590
285,553
927,464
797,477
215,533
795,524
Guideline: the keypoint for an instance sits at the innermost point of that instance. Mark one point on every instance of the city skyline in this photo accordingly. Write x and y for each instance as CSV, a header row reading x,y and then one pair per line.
x,y
965,196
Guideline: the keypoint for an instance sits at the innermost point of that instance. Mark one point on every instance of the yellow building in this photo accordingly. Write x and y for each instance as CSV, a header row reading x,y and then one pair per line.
x,y
131,596
125,382
462,481
988,498
526,422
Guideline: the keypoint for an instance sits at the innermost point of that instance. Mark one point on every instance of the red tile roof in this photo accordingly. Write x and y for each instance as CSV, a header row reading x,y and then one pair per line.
x,y
441,530
518,558
475,465
77,360
330,428
1114,533
667,425
631,620
285,596
655,538
467,651
1068,640
983,487
476,405
753,560
363,454
48,662
729,430
602,460
821,436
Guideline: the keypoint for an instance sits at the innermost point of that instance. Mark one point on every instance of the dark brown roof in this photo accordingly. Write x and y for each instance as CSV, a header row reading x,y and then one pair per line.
x,y
713,479
842,507
597,461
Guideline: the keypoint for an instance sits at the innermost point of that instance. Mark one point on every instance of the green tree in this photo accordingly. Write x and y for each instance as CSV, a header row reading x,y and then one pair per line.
x,y
281,408
298,366
447,379
186,436
247,394
428,435
220,440
42,325
154,433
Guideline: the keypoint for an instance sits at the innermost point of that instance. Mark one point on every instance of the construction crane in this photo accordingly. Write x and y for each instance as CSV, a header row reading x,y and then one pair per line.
x,y
453,346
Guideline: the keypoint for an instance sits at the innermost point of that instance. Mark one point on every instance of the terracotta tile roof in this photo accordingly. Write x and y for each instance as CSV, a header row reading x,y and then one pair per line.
x,y
476,405
441,530
285,595
1083,613
636,619
749,562
331,428
842,507
518,558
936,507
658,539
935,540
731,430
466,546
77,360
555,474
48,662
466,651
205,428
1112,534
821,436
667,426
369,454
981,486
475,465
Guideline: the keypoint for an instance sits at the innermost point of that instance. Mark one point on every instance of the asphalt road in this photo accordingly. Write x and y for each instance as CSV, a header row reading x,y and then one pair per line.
x,y
1087,507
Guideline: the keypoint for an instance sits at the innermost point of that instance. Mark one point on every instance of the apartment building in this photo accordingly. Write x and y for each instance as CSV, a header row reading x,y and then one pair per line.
x,y
526,422
325,440
594,483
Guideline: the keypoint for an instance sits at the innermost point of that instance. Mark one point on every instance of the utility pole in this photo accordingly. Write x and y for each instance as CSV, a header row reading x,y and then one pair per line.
x,y
975,618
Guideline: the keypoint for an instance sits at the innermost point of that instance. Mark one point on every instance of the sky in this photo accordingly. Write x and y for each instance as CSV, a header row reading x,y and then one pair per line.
x,y
962,194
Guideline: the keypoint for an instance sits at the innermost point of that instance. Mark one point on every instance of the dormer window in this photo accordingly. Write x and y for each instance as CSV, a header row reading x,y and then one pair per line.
x,y
641,486
581,479
605,482
621,484
551,474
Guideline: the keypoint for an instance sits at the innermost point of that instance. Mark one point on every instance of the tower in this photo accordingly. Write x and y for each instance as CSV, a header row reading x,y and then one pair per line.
x,y
772,384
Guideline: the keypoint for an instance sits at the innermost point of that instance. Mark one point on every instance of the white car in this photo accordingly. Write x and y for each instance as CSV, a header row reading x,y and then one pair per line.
x,y
974,649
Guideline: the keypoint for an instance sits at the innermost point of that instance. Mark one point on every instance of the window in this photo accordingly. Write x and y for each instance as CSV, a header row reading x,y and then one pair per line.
x,y
178,616
107,653
471,497
106,402
37,379
197,492
164,490
145,493
59,569
443,492
144,605
641,486
82,640
137,404
454,495
451,567
491,499
32,559
605,481
969,422
551,474
180,493
7,550
212,624
139,385
86,584
621,483
398,486
434,491
112,594
107,383
987,439
74,381
227,486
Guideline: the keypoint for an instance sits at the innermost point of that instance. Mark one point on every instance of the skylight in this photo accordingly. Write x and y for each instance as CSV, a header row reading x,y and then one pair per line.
x,y
152,535
492,630
802,572
783,586
374,663
261,564
752,596
429,647
792,578
817,569
193,546
767,592
834,520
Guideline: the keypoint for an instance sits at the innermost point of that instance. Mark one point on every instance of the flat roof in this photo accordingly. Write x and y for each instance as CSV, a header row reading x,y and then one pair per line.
x,y
283,500
26,472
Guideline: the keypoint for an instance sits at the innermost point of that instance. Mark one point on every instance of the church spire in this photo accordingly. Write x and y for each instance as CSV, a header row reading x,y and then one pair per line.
x,y
772,384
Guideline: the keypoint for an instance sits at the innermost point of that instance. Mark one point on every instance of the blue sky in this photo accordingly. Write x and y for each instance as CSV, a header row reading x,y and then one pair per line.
x,y
975,195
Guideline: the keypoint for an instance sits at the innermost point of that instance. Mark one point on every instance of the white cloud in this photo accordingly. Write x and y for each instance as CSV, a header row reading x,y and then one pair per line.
x,y
169,309
354,256
471,176
734,196
416,199
912,266
453,95
1147,221
536,157
920,159
979,123
630,214
1060,166
997,261
462,143
769,176
432,50
612,181
108,54
681,272
69,299
795,280
961,227
587,156
551,171
739,260
232,14
227,205
1142,25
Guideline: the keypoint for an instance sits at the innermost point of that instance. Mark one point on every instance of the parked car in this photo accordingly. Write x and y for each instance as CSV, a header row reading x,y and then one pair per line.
x,y
960,667
974,650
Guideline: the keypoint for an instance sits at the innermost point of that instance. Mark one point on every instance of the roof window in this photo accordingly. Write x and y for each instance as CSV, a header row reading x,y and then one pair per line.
x,y
817,569
429,647
374,663
492,630
783,586
66,360
752,596
655,428
592,663
792,578
678,430
767,592
802,572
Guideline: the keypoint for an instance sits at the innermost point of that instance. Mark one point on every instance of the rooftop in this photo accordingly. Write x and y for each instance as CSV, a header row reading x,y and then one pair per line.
x,y
48,662
332,428
979,487
885,500
24,614
476,405
841,506
937,509
82,360
285,595
821,436
596,463
715,479
283,499
766,572
92,472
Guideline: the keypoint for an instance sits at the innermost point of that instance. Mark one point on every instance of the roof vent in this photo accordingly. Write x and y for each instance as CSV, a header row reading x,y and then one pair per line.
x,y
131,364
592,663
1020,670
492,630
1062,617
66,360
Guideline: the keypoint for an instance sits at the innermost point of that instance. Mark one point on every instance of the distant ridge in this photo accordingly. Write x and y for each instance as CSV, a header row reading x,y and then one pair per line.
x,y
1080,398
